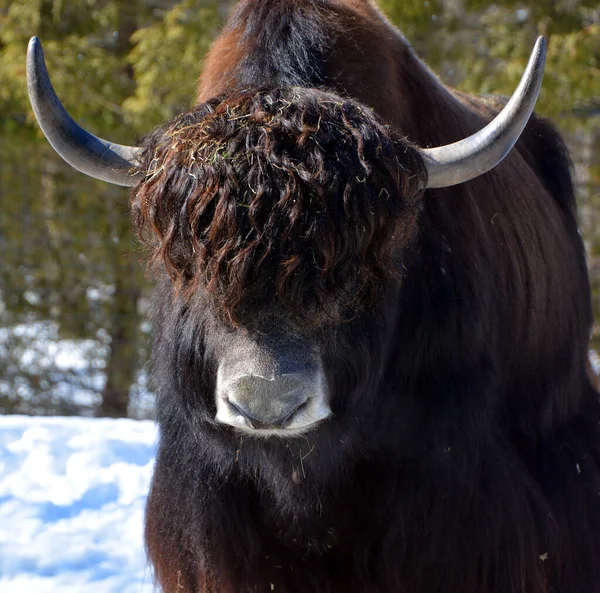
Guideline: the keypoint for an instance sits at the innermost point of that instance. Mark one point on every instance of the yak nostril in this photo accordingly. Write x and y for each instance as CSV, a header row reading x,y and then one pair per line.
x,y
282,404
265,423
267,403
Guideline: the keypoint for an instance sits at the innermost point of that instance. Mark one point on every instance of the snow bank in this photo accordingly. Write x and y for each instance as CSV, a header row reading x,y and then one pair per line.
x,y
72,495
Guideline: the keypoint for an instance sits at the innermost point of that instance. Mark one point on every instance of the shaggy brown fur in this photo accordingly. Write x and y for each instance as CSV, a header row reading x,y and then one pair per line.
x,y
294,194
463,455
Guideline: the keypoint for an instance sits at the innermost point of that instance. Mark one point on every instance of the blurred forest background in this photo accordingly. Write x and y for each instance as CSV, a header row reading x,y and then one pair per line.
x,y
74,338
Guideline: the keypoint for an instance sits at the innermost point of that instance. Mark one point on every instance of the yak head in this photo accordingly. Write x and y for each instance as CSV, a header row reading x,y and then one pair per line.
x,y
283,219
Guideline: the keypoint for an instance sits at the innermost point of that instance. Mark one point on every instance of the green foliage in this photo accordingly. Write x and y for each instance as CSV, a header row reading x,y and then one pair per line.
x,y
167,58
572,73
417,19
483,48
80,43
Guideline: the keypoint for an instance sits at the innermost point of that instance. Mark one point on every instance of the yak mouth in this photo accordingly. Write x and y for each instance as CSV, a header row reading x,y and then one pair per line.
x,y
280,433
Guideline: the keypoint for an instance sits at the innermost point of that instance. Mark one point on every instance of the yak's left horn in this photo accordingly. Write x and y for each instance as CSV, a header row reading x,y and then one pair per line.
x,y
477,154
83,151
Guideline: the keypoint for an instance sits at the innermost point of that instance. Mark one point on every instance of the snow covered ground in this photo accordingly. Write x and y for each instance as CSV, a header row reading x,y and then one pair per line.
x,y
72,494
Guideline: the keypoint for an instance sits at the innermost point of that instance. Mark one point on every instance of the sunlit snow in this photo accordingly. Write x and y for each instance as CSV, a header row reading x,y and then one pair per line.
x,y
72,495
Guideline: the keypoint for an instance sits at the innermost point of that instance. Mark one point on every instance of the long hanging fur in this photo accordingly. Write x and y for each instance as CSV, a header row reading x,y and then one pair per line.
x,y
464,453
294,195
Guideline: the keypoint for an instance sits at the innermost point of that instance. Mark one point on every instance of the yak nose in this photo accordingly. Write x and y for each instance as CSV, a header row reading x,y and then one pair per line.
x,y
282,403
267,403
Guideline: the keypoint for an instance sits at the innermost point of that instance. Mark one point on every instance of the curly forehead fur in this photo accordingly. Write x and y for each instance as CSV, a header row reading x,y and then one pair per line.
x,y
294,197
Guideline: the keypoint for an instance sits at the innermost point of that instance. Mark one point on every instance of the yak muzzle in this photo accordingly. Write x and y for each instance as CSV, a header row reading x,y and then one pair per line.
x,y
264,394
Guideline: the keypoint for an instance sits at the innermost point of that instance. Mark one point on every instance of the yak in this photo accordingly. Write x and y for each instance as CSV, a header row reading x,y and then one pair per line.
x,y
371,320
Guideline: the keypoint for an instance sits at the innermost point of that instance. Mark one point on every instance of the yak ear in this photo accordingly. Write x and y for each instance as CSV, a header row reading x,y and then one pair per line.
x,y
464,160
83,151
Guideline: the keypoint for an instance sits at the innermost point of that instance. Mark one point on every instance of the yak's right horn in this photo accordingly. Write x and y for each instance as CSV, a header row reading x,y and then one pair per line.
x,y
83,151
477,154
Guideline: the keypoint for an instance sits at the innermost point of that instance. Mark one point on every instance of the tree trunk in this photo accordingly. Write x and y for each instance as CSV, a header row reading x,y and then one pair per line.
x,y
122,362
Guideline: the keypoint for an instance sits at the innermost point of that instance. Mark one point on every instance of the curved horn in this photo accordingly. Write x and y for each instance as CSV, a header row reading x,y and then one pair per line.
x,y
83,151
458,162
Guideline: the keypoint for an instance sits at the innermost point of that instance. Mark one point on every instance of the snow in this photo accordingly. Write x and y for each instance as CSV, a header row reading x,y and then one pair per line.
x,y
38,349
72,496
72,370
595,361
